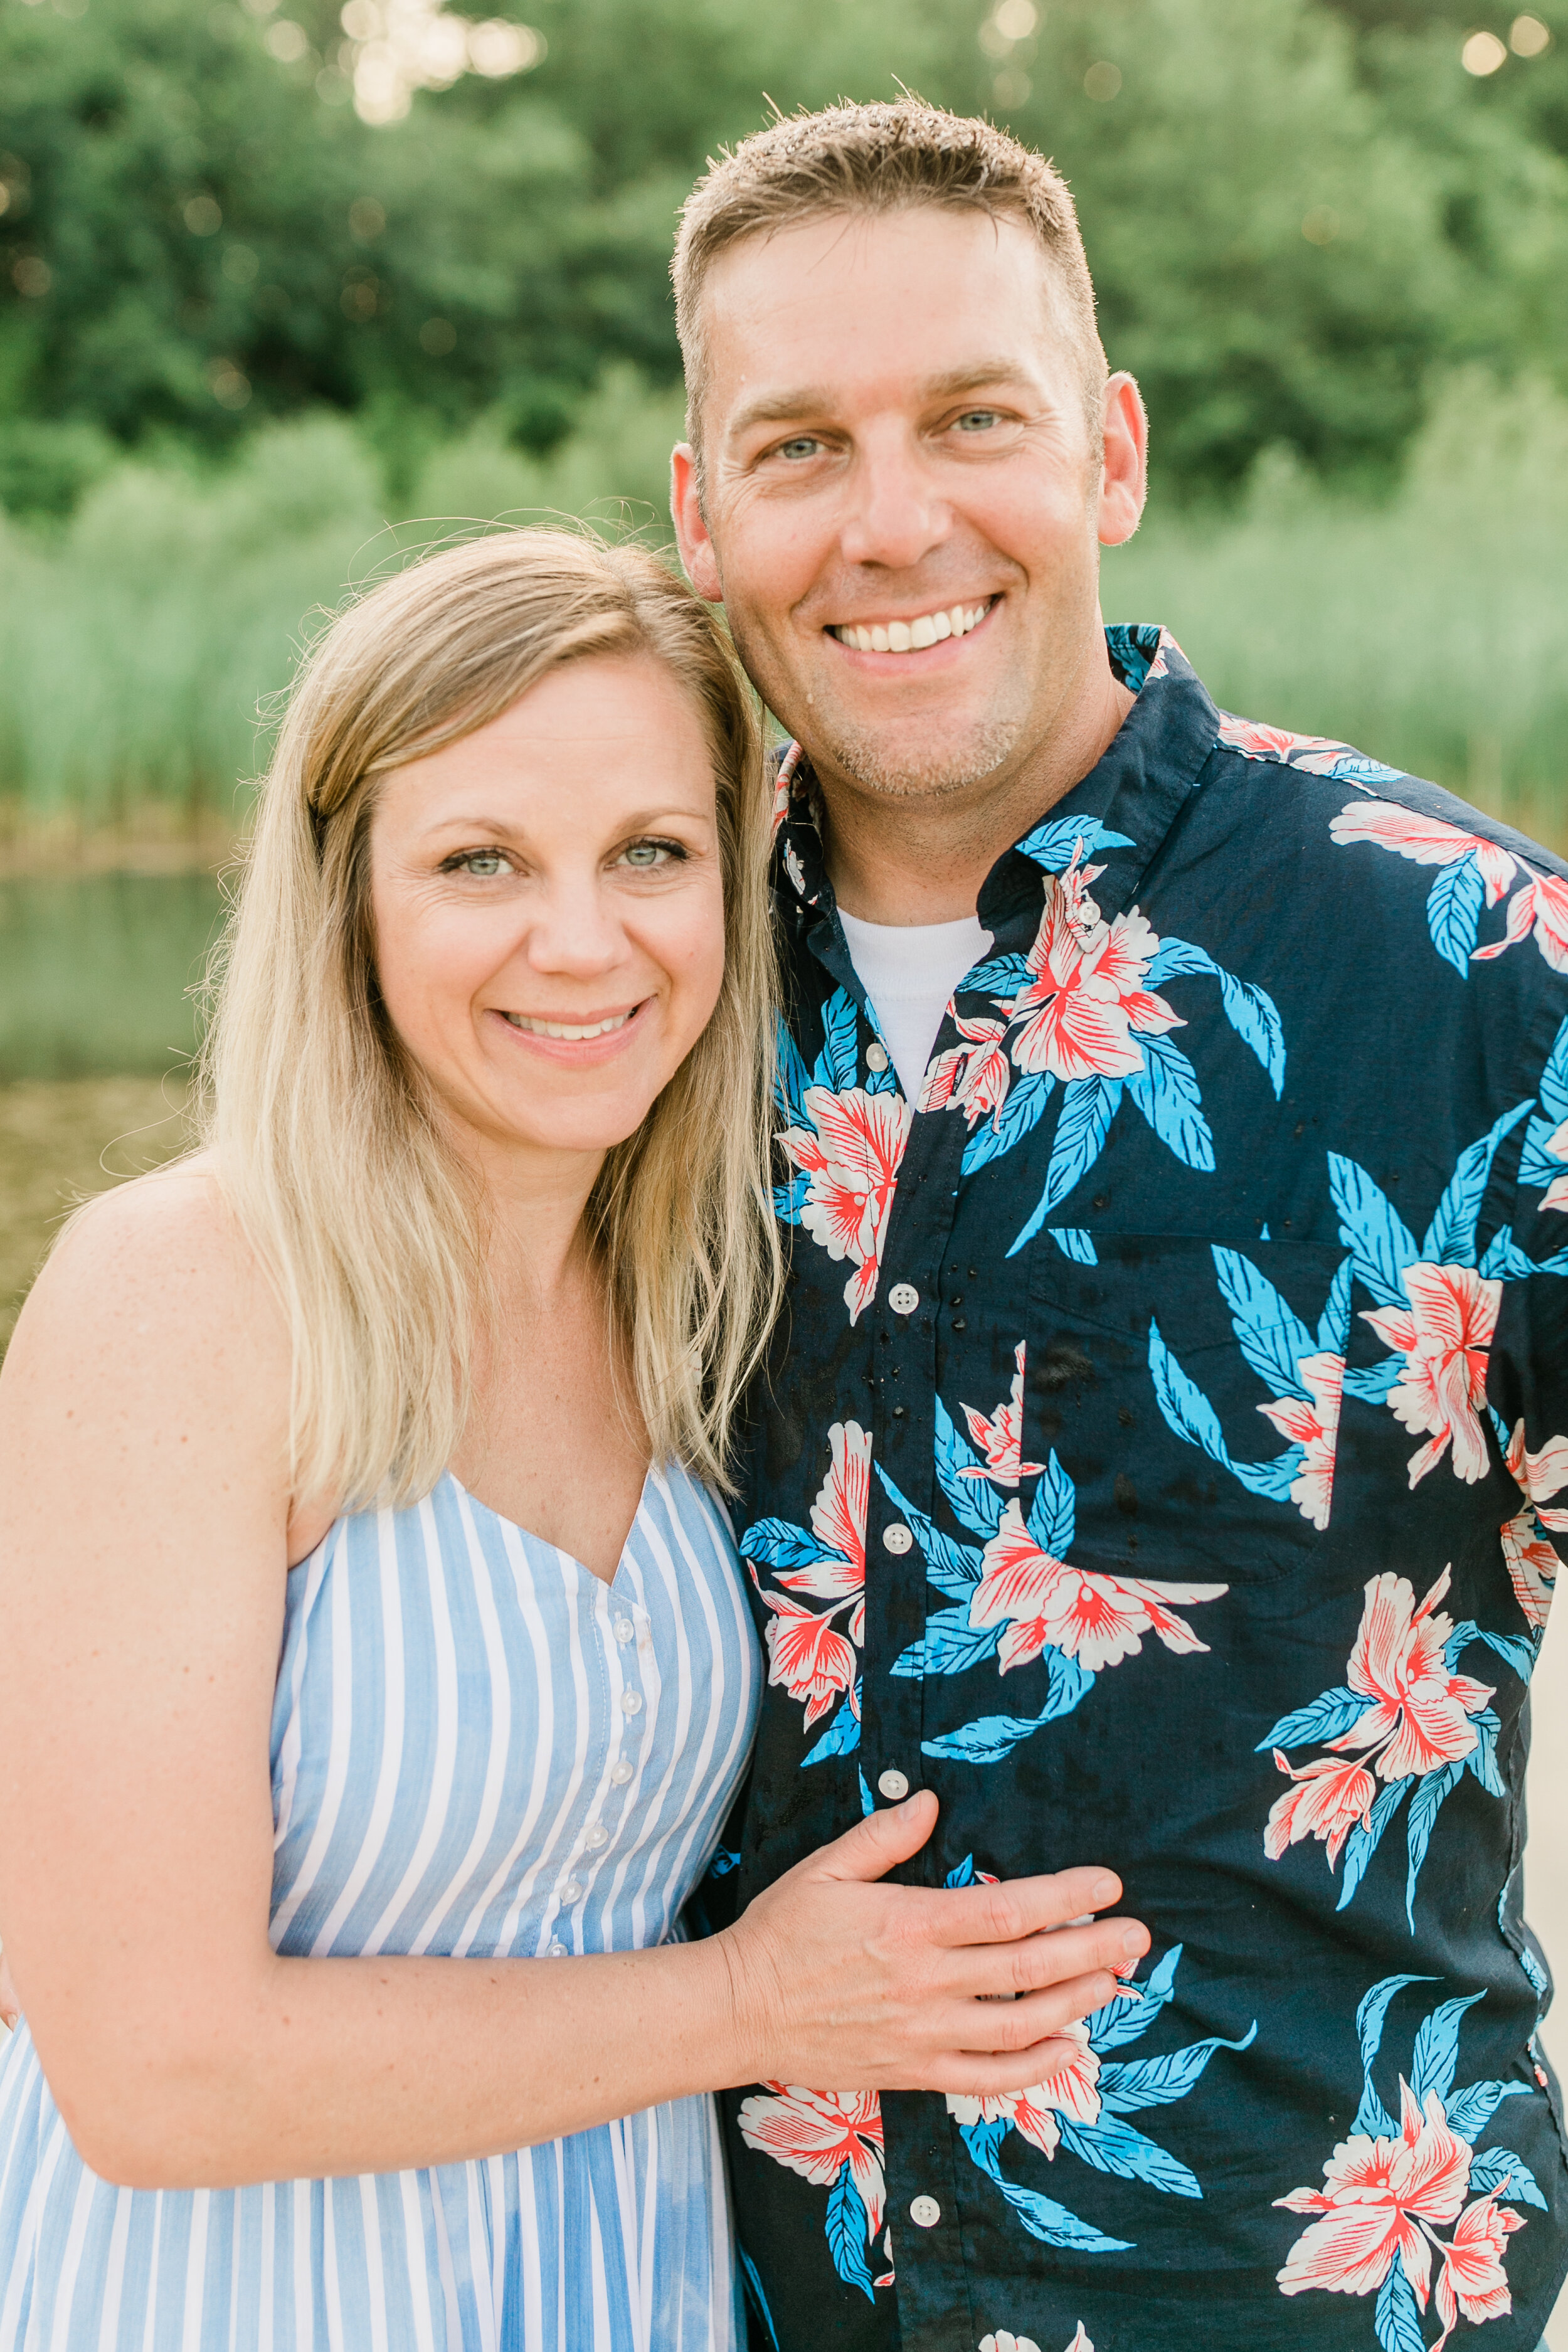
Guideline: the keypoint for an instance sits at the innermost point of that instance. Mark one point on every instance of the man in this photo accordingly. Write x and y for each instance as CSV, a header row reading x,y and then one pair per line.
x,y
1161,1455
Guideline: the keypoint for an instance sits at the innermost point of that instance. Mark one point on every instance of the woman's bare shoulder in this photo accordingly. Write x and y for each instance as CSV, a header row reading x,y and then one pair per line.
x,y
154,1296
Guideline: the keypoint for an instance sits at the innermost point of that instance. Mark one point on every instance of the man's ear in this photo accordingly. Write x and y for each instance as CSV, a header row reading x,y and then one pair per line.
x,y
1124,476
697,551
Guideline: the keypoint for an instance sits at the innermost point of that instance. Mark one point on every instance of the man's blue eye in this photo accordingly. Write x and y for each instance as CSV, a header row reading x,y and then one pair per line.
x,y
804,444
977,420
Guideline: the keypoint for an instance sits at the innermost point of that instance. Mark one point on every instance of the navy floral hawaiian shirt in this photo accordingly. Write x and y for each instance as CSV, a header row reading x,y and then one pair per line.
x,y
1165,1459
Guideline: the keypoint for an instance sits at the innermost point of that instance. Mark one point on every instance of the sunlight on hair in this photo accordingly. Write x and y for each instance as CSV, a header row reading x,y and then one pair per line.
x,y
396,47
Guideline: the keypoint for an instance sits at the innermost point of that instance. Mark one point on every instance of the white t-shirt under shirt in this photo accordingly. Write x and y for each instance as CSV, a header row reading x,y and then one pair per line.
x,y
909,971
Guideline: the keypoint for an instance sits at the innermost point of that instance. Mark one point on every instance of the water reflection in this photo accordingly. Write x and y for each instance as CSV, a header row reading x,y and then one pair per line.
x,y
95,971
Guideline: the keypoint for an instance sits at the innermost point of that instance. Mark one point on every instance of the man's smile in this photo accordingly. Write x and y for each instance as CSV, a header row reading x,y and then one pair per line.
x,y
917,634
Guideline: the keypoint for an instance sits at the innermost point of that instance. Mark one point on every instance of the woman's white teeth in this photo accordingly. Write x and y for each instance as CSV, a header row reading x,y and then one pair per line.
x,y
913,637
575,1031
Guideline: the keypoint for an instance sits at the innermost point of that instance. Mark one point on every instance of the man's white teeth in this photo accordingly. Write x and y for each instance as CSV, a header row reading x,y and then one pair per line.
x,y
913,637
575,1031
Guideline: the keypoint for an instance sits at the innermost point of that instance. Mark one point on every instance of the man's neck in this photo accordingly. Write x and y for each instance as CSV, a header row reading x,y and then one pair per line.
x,y
924,858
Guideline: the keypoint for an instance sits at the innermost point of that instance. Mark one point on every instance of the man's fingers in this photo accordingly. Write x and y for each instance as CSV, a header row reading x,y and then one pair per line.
x,y
882,1840
1020,1906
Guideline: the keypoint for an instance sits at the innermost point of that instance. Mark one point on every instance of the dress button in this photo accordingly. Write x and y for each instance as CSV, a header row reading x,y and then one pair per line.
x,y
894,1786
622,1773
903,1298
625,1629
572,1890
896,1537
557,1949
631,1703
924,2212
876,1057
598,1836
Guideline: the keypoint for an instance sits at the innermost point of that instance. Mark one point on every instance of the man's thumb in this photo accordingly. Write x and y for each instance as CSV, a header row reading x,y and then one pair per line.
x,y
883,1839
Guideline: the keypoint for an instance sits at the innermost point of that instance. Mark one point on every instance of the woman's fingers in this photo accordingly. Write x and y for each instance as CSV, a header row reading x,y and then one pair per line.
x,y
1017,1907
996,1971
880,1842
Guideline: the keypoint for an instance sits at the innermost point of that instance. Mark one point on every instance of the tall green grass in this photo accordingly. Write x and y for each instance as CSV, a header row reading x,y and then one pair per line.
x,y
1431,630
142,643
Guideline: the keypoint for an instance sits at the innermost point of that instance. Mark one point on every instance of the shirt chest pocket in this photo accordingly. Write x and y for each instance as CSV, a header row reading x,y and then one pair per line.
x,y
1190,1394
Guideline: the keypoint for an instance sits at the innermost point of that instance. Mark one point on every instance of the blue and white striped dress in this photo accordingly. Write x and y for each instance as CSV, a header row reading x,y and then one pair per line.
x,y
478,1747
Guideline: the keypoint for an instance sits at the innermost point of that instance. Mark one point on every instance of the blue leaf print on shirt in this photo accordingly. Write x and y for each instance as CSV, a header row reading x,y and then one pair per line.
x,y
1304,1373
1082,2110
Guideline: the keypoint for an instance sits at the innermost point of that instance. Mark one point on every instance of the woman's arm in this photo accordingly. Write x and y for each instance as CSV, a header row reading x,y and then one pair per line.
x,y
144,1518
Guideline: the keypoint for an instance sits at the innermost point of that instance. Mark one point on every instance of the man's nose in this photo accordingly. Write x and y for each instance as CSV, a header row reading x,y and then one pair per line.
x,y
894,515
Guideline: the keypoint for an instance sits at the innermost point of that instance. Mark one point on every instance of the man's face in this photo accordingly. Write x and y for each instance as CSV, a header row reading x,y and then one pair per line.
x,y
901,504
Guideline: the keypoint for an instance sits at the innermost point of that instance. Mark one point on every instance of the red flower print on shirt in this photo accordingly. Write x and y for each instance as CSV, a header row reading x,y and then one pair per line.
x,y
1424,841
1093,1617
1080,1012
850,1156
805,1654
1315,1426
808,1657
1541,907
1444,1337
1327,1803
839,1520
1530,1561
1419,1716
816,2134
1472,2281
1376,2196
999,1439
1071,2088
972,1077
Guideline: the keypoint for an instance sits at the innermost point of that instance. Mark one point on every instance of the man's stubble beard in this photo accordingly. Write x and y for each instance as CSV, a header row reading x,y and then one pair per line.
x,y
862,758
859,755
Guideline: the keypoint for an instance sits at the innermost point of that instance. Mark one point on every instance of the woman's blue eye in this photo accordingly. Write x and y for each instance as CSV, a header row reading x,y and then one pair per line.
x,y
646,854
483,864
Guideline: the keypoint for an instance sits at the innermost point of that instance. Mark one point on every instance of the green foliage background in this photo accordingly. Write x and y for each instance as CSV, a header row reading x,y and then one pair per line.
x,y
242,331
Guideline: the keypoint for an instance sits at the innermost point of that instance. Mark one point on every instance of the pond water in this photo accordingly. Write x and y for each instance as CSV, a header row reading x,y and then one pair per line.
x,y
96,969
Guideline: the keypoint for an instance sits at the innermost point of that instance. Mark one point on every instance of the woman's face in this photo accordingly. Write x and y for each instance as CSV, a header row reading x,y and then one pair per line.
x,y
548,907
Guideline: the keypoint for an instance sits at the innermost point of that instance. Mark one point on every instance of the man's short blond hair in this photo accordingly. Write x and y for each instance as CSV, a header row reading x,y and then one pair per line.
x,y
868,160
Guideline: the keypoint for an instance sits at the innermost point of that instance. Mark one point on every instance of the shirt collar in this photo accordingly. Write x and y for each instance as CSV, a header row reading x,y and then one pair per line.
x,y
1129,799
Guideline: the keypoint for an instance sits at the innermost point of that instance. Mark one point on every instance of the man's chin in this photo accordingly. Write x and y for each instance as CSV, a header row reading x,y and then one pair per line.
x,y
896,765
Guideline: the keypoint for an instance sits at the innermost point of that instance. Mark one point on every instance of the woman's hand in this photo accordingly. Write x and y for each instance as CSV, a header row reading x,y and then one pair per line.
x,y
838,1981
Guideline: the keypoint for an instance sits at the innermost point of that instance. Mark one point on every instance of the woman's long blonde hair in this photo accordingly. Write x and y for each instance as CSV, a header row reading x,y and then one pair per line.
x,y
326,1141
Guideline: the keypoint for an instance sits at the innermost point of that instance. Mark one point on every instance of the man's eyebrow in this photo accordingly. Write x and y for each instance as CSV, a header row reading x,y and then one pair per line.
x,y
793,406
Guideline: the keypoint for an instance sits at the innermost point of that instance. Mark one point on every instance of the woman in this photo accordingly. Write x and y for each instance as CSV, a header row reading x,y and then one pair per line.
x,y
377,1668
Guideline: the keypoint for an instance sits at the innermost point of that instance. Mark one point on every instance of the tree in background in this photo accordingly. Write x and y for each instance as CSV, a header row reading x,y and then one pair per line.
x,y
1296,212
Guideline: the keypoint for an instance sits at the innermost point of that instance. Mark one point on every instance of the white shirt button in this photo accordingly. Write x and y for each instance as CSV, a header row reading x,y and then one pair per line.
x,y
631,1702
622,1773
903,1298
572,1890
557,1949
598,1836
875,1055
896,1537
894,1787
924,2212
625,1629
